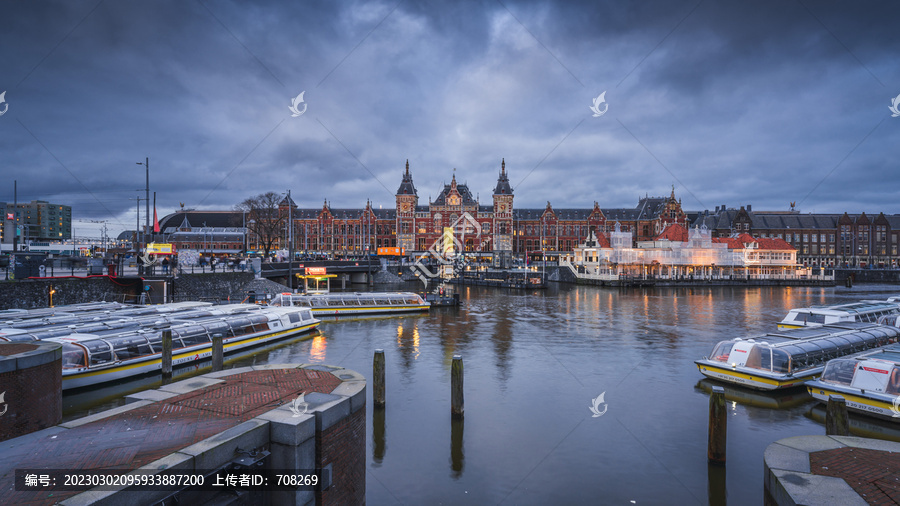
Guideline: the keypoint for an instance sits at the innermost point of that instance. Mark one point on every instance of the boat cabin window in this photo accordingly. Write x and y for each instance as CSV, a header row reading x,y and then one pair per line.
x,y
839,371
241,326
216,327
100,351
128,347
192,335
294,317
722,351
73,356
781,362
260,322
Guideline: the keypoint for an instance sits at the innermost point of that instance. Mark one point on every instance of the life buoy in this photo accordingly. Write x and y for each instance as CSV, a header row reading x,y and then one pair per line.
x,y
895,380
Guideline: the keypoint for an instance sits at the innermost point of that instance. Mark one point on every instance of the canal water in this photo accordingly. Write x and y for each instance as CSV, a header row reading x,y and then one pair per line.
x,y
534,363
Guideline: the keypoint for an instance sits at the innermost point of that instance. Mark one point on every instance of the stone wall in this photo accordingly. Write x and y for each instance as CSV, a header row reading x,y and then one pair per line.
x,y
222,286
35,293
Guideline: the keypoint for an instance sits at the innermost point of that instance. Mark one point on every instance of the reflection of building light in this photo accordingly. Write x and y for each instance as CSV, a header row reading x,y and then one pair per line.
x,y
416,342
318,348
733,405
399,335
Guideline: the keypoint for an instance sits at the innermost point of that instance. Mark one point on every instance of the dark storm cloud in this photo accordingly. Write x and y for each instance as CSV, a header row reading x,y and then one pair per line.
x,y
731,102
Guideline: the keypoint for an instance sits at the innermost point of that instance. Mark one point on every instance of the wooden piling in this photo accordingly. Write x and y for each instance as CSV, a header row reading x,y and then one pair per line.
x,y
167,352
457,402
378,377
837,421
718,427
218,353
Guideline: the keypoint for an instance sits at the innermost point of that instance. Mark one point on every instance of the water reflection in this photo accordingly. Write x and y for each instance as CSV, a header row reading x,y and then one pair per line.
x,y
457,453
772,400
379,436
716,490
861,425
318,349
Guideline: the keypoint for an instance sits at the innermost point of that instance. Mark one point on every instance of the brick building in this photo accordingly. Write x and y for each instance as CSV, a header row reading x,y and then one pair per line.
x,y
497,229
821,240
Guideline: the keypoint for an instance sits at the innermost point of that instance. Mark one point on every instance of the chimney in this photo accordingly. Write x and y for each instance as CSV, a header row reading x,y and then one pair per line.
x,y
749,208
717,209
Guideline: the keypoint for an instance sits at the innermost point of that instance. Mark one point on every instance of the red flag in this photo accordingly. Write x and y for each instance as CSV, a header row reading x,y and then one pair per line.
x,y
155,221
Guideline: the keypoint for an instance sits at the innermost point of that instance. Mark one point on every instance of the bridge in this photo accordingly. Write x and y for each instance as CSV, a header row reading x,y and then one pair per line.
x,y
354,271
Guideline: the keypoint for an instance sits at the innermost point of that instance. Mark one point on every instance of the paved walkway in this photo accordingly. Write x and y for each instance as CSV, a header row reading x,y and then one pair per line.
x,y
137,434
832,470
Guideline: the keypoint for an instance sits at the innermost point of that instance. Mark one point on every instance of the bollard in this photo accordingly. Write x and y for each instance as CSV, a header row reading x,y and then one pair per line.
x,y
718,427
457,403
167,352
218,352
837,422
378,375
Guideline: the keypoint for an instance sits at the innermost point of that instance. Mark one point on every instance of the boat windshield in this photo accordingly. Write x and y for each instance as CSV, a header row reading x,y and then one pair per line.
x,y
73,356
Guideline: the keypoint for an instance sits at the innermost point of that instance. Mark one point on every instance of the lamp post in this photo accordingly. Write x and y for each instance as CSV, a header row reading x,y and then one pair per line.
x,y
146,164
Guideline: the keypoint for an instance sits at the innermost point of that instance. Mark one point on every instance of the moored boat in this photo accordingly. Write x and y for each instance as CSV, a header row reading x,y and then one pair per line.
x,y
776,361
865,311
869,382
90,359
354,303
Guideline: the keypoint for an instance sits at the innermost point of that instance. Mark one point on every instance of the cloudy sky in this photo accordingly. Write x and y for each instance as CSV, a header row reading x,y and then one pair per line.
x,y
735,103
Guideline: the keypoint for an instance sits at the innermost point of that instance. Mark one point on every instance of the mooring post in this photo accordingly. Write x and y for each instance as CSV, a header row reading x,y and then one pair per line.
x,y
167,352
218,353
378,375
457,403
718,426
837,422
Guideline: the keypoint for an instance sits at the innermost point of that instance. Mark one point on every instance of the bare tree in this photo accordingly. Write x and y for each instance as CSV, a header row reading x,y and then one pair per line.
x,y
265,219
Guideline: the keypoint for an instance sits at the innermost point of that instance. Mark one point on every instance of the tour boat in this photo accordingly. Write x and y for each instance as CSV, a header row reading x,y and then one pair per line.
x,y
90,359
773,361
61,325
868,382
865,311
354,303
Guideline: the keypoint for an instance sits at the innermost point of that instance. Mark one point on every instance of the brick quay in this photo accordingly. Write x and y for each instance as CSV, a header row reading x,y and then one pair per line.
x,y
207,423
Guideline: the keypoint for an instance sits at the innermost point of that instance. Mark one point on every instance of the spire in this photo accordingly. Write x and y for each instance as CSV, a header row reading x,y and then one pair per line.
x,y
406,185
503,187
673,192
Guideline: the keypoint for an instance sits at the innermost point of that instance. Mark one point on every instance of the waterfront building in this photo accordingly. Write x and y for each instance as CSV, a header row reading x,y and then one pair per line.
x,y
821,240
678,253
37,220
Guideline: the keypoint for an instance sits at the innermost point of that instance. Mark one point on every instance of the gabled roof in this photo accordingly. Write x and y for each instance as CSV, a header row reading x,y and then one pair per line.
x,y
762,243
673,232
462,189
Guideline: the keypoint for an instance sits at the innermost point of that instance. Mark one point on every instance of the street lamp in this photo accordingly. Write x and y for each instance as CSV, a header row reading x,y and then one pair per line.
x,y
146,164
